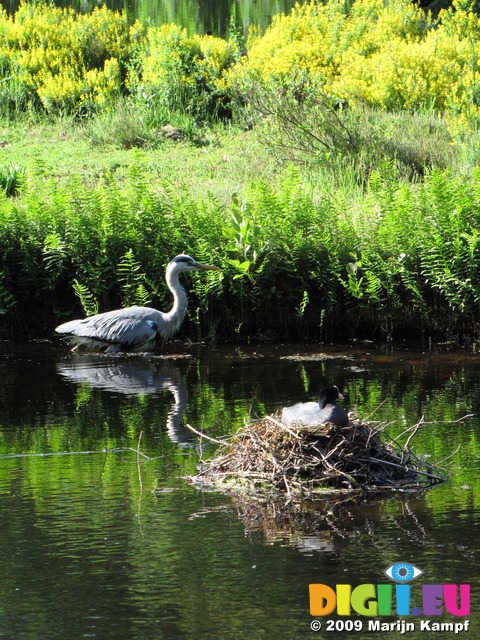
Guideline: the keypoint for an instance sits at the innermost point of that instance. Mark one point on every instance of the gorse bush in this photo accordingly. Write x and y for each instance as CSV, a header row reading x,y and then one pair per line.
x,y
390,56
184,72
293,267
61,60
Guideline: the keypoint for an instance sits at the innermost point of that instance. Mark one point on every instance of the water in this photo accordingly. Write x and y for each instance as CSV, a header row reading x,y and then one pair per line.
x,y
98,544
197,16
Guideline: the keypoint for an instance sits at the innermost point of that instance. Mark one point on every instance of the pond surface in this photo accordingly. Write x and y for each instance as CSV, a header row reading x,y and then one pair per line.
x,y
96,545
197,16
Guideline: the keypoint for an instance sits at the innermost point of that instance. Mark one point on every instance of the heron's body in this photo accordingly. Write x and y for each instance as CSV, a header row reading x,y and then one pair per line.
x,y
313,413
133,328
136,328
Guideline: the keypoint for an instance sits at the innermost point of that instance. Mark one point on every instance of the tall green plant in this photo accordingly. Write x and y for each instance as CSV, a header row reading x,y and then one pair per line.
x,y
133,282
88,302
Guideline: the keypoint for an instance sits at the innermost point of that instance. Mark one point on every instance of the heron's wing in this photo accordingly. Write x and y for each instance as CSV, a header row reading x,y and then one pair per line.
x,y
127,327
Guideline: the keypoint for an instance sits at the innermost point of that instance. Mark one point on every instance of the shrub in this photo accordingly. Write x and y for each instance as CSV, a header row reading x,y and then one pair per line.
x,y
122,126
387,55
315,130
61,60
184,72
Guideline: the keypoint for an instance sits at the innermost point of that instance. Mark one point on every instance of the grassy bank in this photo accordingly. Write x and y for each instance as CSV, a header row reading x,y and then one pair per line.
x,y
329,218
300,260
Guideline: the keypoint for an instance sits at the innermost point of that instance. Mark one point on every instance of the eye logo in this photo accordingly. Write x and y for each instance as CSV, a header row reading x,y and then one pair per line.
x,y
403,572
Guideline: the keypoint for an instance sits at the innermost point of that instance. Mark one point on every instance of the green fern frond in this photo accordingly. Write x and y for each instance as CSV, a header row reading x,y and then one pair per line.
x,y
7,300
142,296
128,266
88,302
54,253
133,282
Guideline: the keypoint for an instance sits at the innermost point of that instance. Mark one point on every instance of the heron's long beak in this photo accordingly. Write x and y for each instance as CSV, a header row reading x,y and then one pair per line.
x,y
206,267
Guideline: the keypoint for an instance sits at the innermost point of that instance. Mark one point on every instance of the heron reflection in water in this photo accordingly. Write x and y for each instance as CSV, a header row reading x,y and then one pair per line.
x,y
134,376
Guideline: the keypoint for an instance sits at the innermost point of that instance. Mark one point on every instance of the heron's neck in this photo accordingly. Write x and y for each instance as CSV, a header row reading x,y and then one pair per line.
x,y
180,302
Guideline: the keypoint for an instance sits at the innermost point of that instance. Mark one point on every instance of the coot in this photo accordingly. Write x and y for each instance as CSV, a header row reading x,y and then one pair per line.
x,y
312,413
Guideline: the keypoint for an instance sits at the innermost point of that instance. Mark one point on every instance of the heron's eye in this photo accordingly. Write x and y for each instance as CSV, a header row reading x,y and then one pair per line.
x,y
403,572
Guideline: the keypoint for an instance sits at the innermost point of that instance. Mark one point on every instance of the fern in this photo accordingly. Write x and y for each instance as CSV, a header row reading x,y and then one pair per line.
x,y
303,305
54,252
88,302
7,300
11,178
450,267
377,288
133,282
142,296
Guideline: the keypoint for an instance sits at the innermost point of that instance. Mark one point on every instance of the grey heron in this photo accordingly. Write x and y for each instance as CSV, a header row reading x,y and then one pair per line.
x,y
136,328
312,413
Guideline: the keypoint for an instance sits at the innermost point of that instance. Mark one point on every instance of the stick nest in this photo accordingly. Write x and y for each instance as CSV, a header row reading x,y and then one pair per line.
x,y
268,455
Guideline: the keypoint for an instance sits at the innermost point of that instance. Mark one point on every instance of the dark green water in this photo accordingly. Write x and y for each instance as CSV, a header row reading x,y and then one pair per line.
x,y
89,549
197,16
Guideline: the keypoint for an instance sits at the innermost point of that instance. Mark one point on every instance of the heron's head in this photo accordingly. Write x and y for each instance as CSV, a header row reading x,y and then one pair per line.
x,y
183,262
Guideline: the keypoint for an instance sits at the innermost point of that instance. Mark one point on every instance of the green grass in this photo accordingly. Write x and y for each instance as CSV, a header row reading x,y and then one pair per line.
x,y
224,158
219,159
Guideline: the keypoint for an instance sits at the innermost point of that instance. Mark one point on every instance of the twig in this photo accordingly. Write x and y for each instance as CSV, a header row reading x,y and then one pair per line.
x,y
282,426
286,486
376,409
437,464
139,478
423,422
467,415
57,453
203,435
138,463
200,461
404,467
139,453
407,441
52,454
411,428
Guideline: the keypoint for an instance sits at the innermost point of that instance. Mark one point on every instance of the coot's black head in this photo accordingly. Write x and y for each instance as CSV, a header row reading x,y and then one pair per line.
x,y
328,395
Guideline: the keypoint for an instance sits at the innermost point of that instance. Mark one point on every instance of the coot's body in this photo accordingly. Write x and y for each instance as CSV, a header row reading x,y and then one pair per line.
x,y
313,413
